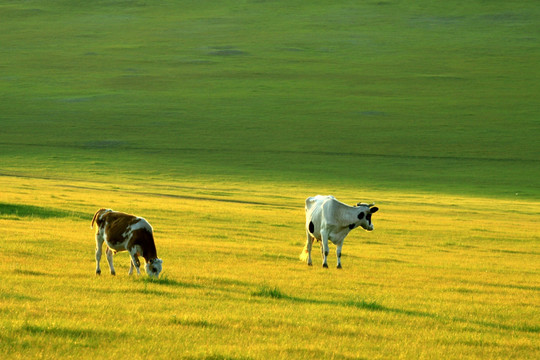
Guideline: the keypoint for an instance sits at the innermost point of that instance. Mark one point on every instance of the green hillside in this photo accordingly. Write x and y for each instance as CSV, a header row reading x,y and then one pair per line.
x,y
385,94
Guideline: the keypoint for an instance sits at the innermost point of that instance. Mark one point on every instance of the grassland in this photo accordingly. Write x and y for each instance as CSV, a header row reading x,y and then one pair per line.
x,y
215,120
458,279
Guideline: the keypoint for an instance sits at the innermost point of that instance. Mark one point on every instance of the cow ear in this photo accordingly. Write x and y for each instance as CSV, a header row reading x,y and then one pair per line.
x,y
361,215
373,210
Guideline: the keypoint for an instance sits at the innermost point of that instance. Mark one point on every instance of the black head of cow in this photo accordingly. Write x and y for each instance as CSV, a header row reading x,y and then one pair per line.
x,y
364,216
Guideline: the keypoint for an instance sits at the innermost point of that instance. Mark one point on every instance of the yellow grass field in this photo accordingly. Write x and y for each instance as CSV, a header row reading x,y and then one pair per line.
x,y
440,276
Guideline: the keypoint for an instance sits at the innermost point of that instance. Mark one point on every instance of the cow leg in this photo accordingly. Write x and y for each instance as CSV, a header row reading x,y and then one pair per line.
x,y
338,254
310,247
134,262
307,250
324,249
109,254
99,245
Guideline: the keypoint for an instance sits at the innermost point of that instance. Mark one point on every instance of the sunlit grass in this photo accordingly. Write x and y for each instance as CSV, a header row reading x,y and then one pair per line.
x,y
269,291
439,276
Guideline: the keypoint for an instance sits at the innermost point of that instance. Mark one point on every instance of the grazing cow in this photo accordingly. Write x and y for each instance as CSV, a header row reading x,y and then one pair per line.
x,y
126,232
329,219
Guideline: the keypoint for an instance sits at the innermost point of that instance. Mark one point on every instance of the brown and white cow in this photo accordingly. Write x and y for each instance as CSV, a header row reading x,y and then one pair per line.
x,y
124,232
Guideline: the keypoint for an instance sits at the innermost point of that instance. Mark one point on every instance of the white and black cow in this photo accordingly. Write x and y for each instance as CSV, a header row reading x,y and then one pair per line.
x,y
124,232
330,219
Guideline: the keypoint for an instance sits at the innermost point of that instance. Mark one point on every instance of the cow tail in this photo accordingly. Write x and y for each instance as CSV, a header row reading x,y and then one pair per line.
x,y
304,254
95,217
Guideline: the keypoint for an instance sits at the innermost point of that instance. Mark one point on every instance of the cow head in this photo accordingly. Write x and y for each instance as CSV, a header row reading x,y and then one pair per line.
x,y
364,216
153,267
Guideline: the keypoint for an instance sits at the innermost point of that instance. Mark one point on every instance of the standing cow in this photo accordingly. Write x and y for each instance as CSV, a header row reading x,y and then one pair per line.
x,y
122,232
329,219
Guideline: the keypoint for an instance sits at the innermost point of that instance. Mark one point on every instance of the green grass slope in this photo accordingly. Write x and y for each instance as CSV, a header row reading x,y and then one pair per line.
x,y
398,94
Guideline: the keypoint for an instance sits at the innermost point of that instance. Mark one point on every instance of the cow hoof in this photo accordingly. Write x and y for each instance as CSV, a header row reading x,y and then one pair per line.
x,y
339,266
325,266
113,273
310,264
98,272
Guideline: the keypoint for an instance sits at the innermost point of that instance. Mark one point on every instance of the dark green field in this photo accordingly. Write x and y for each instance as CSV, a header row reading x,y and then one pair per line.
x,y
378,94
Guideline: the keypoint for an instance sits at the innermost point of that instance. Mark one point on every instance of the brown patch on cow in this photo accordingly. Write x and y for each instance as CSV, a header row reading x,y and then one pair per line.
x,y
117,224
145,240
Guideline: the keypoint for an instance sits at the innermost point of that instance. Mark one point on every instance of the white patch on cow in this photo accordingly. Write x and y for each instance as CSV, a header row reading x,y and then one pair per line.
x,y
140,224
128,233
103,234
134,252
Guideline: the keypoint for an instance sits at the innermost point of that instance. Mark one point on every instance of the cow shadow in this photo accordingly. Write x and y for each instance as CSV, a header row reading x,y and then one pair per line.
x,y
165,281
364,305
376,307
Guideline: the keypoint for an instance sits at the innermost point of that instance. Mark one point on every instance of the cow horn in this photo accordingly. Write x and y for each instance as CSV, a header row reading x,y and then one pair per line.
x,y
364,204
